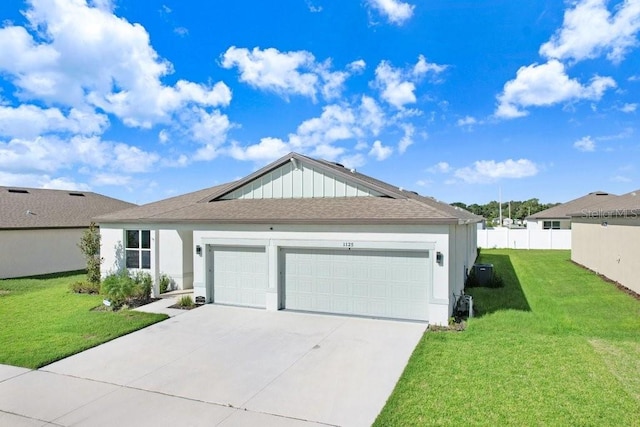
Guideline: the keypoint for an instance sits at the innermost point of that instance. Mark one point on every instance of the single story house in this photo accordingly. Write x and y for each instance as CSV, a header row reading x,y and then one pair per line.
x,y
40,229
559,217
303,234
606,239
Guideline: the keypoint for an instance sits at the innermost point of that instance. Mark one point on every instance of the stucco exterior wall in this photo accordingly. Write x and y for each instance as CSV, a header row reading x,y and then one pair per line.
x,y
171,251
612,250
43,251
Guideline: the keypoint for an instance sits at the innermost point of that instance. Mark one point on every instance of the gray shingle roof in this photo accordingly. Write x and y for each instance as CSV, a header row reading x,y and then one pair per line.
x,y
627,205
22,208
565,210
207,206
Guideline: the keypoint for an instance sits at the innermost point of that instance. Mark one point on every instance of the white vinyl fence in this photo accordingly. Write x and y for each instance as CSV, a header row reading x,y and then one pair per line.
x,y
524,238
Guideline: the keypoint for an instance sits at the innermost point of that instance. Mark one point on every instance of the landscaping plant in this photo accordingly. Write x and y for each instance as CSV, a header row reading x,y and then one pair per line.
x,y
118,288
186,302
143,285
90,247
164,283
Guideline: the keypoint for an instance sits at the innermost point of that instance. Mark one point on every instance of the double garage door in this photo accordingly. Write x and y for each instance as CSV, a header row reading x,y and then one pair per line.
x,y
377,283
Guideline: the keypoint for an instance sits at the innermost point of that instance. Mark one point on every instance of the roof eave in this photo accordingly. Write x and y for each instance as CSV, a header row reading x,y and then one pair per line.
x,y
298,221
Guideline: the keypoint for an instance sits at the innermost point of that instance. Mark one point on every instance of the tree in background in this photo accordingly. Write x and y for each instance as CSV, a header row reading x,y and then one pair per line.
x,y
519,209
90,247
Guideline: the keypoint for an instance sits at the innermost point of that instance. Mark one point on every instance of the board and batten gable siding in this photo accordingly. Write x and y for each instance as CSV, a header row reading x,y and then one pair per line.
x,y
287,182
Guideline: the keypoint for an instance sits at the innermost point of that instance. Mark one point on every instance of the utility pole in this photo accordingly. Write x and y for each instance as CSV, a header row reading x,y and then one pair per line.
x,y
500,204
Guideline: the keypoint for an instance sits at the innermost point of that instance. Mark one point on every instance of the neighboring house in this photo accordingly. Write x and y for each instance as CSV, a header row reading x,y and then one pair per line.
x,y
606,239
558,217
303,234
40,229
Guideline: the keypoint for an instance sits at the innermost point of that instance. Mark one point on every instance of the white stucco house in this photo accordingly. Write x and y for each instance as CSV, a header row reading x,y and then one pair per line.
x,y
40,229
605,238
559,217
303,234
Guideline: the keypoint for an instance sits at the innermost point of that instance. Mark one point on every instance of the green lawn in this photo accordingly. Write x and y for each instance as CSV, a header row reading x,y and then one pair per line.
x,y
41,321
556,346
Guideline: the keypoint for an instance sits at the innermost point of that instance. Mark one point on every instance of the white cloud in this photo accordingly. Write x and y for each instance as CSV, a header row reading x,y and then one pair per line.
x,y
379,151
397,86
320,136
357,66
115,179
353,161
29,121
407,138
629,107
268,149
50,154
585,144
372,116
490,170
423,67
206,127
467,121
590,30
620,178
86,56
397,12
287,73
544,85
41,181
440,167
313,8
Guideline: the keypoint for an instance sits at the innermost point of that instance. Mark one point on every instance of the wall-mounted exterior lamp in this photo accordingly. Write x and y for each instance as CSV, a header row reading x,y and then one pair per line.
x,y
198,250
439,258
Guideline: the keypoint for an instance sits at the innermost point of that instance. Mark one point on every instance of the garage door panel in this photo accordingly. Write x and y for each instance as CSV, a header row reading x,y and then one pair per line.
x,y
239,276
370,283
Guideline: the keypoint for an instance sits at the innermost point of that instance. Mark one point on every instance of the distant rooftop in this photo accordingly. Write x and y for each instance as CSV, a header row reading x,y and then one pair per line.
x,y
22,207
564,210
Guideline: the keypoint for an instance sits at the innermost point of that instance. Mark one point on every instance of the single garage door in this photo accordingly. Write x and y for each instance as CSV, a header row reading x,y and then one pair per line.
x,y
391,284
238,276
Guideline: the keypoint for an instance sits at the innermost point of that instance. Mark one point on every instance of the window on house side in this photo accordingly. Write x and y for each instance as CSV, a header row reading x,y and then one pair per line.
x,y
551,225
138,249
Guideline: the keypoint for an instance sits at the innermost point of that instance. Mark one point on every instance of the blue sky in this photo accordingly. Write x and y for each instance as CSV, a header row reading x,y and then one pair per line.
x,y
142,100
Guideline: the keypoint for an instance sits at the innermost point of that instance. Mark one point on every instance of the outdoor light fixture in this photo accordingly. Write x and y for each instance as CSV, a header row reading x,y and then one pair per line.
x,y
198,250
604,223
439,257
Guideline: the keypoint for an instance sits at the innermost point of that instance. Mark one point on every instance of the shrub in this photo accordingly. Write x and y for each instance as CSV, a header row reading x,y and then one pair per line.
x,y
186,302
164,283
118,287
143,284
90,247
85,288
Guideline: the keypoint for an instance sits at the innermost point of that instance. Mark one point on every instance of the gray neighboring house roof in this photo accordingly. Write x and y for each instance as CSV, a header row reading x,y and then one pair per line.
x,y
564,210
32,208
626,205
397,206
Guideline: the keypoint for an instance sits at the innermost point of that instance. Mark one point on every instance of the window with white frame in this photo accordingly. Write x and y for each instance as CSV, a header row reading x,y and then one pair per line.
x,y
551,225
138,249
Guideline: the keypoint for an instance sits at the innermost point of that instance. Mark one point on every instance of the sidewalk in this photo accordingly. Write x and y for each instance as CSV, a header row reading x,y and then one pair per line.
x,y
166,300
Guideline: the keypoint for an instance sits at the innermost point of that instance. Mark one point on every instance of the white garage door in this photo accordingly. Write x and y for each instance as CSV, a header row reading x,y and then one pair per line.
x,y
389,284
238,276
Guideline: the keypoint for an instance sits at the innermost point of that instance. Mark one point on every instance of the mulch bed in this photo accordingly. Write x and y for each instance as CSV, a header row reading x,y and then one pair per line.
x,y
179,307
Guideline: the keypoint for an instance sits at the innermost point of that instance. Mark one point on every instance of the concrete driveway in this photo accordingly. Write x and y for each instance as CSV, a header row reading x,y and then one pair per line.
x,y
224,366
